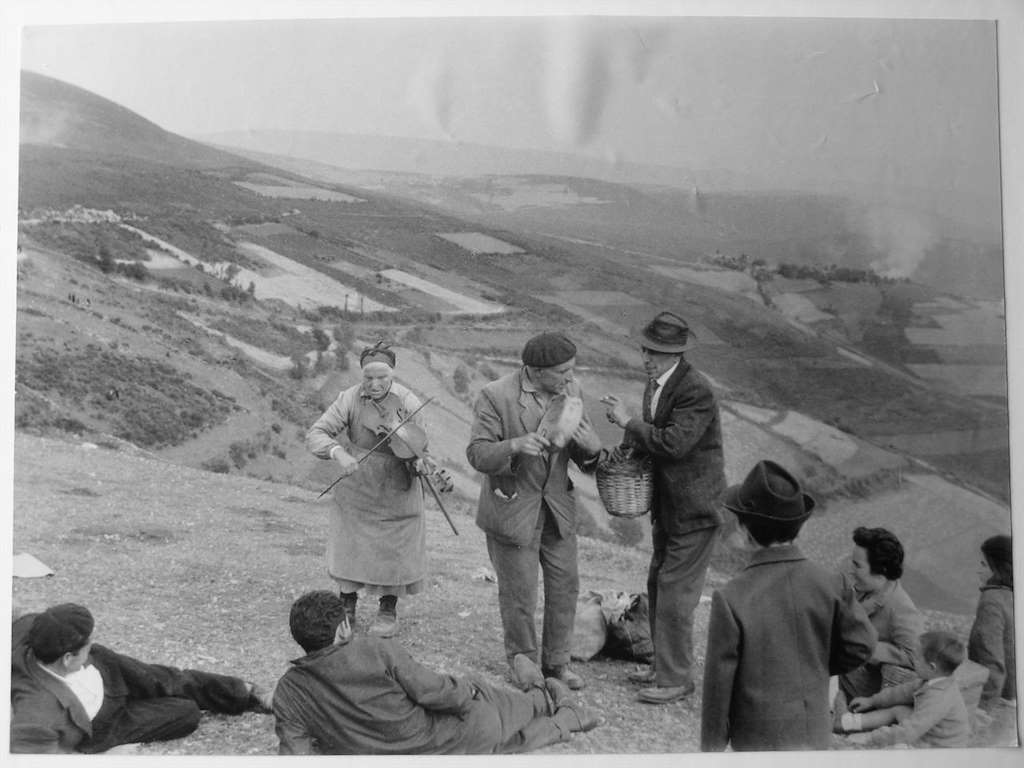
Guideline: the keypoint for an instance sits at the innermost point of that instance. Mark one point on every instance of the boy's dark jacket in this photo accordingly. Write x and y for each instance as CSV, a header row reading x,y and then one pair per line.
x,y
778,631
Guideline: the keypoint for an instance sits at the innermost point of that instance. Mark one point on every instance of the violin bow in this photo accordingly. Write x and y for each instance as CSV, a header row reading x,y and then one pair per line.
x,y
437,498
381,442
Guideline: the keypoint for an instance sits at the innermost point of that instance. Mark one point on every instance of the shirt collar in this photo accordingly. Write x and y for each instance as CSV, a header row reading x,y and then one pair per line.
x,y
660,381
525,384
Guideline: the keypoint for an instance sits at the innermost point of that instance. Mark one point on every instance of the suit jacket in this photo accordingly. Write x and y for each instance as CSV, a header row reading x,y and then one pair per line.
x,y
685,443
369,697
46,717
515,487
778,631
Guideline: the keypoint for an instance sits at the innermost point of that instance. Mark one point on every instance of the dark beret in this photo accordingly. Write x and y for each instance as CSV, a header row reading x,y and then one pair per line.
x,y
998,549
58,630
547,349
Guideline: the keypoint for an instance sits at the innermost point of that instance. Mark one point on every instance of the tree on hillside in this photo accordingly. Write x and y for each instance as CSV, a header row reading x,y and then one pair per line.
x,y
320,339
460,379
106,259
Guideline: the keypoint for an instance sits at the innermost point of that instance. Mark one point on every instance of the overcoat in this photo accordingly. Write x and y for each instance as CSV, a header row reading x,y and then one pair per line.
x,y
778,631
685,444
899,625
991,643
46,717
514,485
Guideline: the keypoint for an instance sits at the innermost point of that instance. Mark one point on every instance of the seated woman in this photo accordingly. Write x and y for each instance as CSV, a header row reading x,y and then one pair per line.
x,y
991,642
877,560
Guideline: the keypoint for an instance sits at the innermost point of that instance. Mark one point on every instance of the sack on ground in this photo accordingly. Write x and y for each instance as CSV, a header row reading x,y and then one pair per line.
x,y
629,636
594,611
612,622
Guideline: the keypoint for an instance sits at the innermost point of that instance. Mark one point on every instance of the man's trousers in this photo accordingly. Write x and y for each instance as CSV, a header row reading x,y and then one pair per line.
x,y
679,564
516,569
149,702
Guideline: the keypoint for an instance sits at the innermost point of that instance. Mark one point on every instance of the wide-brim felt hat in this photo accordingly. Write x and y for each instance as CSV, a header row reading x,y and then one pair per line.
x,y
667,333
769,492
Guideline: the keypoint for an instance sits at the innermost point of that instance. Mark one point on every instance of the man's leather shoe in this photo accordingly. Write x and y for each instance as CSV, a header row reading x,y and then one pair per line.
x,y
642,676
566,675
665,694
525,673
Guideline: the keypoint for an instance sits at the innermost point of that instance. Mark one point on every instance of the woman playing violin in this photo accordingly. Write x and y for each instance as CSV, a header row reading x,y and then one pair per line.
x,y
377,535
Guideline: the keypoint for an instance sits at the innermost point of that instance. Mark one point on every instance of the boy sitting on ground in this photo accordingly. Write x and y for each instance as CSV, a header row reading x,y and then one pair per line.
x,y
927,712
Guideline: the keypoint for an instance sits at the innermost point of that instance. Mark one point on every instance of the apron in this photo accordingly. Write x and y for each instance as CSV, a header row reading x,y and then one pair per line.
x,y
377,532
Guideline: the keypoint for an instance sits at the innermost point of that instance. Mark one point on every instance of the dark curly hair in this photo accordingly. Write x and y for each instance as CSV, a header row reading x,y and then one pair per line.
x,y
60,629
885,553
314,619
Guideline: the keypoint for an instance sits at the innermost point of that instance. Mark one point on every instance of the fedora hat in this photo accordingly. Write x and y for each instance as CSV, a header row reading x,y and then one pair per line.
x,y
769,492
667,333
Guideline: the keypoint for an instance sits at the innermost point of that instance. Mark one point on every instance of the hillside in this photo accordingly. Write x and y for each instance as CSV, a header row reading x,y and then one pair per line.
x,y
206,312
197,569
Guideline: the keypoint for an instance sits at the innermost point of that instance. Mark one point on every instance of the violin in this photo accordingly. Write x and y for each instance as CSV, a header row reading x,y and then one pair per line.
x,y
408,441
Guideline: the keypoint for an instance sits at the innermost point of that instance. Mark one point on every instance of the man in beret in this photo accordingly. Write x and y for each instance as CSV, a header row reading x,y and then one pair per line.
x,y
526,506
71,695
680,430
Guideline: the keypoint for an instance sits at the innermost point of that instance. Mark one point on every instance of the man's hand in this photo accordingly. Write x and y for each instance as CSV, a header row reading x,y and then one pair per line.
x,y
617,412
861,704
586,438
530,444
344,460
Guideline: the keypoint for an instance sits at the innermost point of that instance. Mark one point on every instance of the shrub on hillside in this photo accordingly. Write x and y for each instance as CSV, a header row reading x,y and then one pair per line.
x,y
158,405
216,465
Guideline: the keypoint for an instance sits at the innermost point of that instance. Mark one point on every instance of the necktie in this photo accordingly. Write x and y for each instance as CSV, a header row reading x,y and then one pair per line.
x,y
649,390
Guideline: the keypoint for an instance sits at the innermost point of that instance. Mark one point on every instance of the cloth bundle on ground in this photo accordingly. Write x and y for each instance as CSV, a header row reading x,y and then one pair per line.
x,y
615,623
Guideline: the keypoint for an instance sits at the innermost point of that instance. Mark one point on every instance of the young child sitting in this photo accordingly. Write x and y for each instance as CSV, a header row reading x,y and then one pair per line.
x,y
778,630
928,712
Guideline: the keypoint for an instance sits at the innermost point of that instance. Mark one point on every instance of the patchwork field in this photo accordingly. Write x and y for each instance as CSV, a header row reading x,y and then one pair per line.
x,y
478,243
511,194
299,192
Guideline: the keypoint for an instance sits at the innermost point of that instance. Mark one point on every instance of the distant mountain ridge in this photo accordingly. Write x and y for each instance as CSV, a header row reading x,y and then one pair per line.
x,y
442,158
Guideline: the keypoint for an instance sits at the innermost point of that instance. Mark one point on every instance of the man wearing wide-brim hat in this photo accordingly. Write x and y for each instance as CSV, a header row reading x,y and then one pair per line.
x,y
680,430
779,629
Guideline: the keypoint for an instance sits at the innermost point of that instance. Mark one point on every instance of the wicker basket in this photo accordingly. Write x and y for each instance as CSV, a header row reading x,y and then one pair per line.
x,y
626,485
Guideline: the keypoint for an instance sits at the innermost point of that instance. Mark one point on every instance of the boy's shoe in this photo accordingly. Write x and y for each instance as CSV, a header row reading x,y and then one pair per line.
x,y
526,674
576,718
642,676
665,694
566,675
560,694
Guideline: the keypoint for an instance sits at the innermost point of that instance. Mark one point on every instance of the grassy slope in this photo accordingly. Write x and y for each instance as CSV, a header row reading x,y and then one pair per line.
x,y
197,569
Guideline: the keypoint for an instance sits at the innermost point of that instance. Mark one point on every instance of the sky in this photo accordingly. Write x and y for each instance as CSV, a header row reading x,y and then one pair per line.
x,y
882,106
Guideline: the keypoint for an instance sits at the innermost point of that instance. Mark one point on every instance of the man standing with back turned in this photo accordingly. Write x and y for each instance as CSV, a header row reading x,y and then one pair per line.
x,y
680,430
